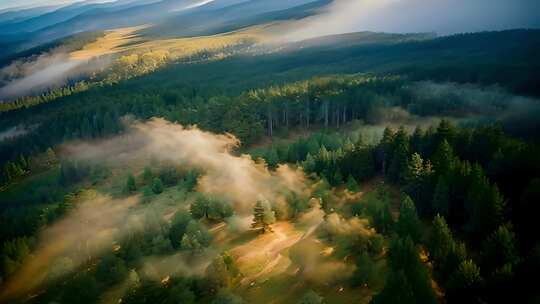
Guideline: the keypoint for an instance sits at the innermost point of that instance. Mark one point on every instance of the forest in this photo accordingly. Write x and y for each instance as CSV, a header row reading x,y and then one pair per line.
x,y
359,168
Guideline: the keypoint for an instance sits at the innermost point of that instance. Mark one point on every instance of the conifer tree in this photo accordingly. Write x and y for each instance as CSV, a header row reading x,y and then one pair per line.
x,y
499,249
157,185
147,175
200,208
400,155
476,190
386,146
446,132
50,156
409,223
441,197
272,158
441,241
309,163
404,257
263,216
465,284
413,177
444,158
352,185
397,289
130,183
488,211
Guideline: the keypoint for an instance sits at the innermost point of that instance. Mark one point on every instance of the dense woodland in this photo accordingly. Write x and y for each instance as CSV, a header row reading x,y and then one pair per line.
x,y
480,234
454,203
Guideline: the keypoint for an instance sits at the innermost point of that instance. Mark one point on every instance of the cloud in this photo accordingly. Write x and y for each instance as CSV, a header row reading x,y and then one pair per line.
x,y
237,178
49,70
87,230
406,16
98,222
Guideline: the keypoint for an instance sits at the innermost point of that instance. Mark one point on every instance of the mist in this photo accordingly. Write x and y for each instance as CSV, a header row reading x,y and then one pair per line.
x,y
443,17
98,221
86,231
245,180
490,102
38,74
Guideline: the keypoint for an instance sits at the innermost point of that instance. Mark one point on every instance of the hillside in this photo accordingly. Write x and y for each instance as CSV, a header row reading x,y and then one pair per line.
x,y
269,151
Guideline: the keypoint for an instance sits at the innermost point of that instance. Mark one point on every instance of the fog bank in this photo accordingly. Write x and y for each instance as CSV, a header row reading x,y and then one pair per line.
x,y
407,16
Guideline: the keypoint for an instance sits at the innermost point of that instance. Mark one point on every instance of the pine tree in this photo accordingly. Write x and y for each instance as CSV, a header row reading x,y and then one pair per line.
x,y
263,216
352,185
499,249
441,197
495,208
200,208
157,185
409,223
272,158
147,175
383,220
400,155
413,177
444,158
456,255
403,256
488,211
426,188
130,183
415,167
50,157
309,163
397,289
386,146
478,185
465,284
441,241
446,132
23,163
337,178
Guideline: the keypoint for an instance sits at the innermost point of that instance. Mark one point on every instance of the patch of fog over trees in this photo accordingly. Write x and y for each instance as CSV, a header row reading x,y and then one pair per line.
x,y
47,71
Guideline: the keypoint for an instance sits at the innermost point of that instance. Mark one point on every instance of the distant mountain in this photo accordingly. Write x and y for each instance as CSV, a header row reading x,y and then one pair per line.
x,y
233,17
65,13
80,17
169,17
13,16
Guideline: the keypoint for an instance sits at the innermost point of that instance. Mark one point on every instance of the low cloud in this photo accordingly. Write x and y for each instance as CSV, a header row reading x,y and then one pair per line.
x,y
405,16
237,178
50,70
85,232
98,222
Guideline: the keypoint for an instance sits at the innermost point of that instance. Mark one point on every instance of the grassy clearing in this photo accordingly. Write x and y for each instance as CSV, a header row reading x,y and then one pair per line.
x,y
128,41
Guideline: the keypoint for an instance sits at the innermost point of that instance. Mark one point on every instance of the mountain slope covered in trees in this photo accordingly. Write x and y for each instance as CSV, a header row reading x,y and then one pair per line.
x,y
207,158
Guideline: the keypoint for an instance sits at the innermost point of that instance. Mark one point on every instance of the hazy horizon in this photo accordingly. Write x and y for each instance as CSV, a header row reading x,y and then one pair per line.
x,y
397,16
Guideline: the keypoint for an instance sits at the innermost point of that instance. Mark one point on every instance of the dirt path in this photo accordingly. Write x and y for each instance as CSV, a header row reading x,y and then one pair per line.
x,y
267,249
